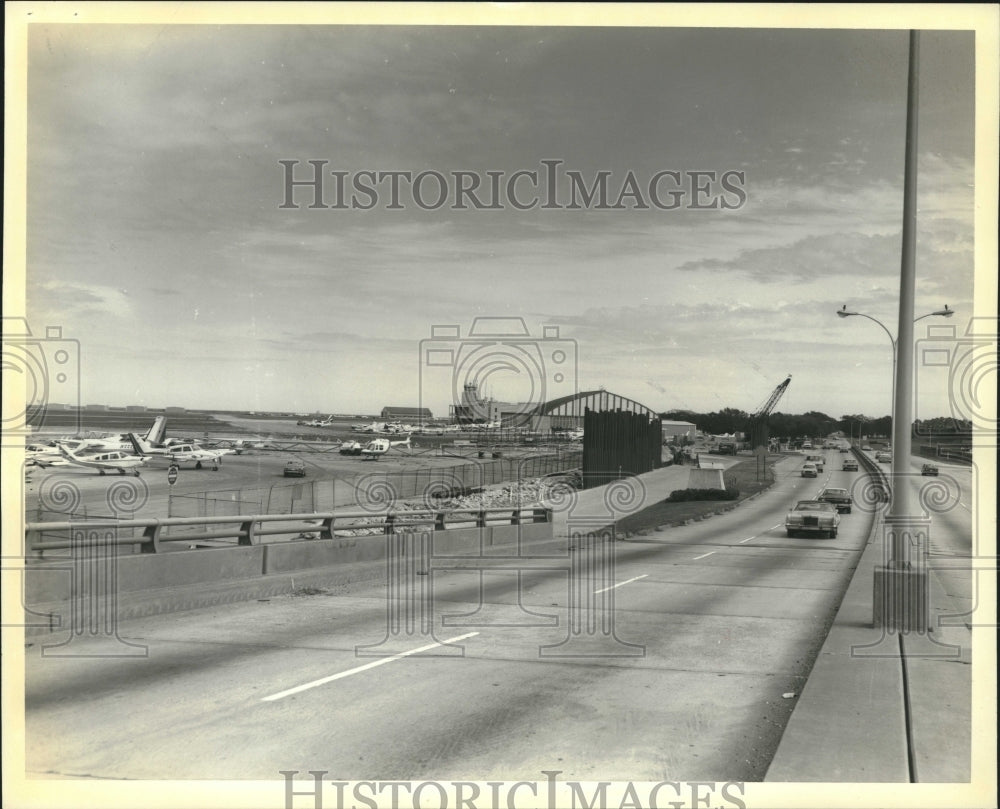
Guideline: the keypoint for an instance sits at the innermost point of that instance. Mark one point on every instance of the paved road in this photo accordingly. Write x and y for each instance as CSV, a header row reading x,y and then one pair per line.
x,y
714,623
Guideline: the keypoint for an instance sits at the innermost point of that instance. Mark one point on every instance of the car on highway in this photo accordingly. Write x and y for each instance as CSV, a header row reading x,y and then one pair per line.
x,y
812,517
843,449
807,445
819,460
295,469
850,465
883,457
928,469
866,448
809,470
840,499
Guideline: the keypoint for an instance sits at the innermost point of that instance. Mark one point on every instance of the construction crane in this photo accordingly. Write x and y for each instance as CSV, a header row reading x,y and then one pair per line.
x,y
758,420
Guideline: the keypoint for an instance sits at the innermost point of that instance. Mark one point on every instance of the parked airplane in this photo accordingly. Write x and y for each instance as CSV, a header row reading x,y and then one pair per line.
x,y
44,455
105,461
374,427
380,446
180,453
121,443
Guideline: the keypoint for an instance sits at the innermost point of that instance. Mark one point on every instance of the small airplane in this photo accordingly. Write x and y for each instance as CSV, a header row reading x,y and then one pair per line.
x,y
380,446
180,453
374,427
105,461
121,443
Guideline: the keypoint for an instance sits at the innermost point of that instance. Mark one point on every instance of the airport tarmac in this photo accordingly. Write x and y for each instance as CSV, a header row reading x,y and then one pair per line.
x,y
53,492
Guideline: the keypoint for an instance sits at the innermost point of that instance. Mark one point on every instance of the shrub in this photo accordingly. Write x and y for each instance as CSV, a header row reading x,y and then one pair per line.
x,y
681,495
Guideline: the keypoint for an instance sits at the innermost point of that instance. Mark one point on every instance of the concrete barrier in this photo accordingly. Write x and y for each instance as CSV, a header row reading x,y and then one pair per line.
x,y
149,584
706,479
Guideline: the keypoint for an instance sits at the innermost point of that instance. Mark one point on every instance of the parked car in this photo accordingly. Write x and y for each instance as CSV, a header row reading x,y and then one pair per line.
x,y
850,465
807,445
809,470
812,517
295,469
838,498
928,469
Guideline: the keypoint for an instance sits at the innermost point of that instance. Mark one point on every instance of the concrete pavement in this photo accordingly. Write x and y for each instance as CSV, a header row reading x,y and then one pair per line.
x,y
883,707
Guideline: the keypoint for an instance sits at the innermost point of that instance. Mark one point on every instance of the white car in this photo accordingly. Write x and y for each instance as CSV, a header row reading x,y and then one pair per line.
x,y
809,470
812,517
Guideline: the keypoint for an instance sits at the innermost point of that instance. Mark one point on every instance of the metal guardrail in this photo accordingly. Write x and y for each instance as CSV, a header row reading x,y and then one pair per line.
x,y
248,530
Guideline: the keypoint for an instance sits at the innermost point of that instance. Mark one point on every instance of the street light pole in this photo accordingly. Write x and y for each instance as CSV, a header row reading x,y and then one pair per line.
x,y
844,312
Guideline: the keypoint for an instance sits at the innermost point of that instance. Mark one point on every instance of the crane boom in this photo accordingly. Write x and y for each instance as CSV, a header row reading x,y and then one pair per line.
x,y
758,421
773,400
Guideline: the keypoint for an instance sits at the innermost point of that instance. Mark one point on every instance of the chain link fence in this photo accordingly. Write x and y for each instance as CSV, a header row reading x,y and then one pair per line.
x,y
380,488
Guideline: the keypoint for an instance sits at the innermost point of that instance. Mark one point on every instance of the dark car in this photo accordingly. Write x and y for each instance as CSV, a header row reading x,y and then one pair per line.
x,y
295,469
838,498
928,469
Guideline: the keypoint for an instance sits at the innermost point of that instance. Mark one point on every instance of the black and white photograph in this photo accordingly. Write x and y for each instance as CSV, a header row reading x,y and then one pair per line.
x,y
500,405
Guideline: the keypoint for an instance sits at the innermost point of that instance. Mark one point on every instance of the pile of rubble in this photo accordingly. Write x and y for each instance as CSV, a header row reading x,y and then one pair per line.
x,y
520,494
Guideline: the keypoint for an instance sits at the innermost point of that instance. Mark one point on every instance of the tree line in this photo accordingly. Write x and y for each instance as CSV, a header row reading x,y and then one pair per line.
x,y
813,424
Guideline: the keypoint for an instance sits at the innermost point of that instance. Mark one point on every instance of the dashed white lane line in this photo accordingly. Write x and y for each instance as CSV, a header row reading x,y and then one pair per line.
x,y
365,667
621,583
702,556
776,525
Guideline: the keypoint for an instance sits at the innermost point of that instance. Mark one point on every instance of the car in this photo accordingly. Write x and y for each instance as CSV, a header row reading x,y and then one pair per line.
x,y
866,448
883,457
818,460
809,470
812,517
807,445
843,449
295,469
850,465
840,499
928,469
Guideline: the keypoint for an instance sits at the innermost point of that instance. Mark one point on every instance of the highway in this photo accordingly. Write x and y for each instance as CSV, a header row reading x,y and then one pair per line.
x,y
715,628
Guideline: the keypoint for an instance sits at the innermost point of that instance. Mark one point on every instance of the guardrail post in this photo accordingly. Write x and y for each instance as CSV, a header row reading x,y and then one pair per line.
x,y
390,522
30,538
515,517
151,535
248,533
93,604
326,529
439,524
480,519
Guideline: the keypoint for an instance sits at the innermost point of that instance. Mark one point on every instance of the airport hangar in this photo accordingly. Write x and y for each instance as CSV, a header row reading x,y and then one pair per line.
x,y
556,415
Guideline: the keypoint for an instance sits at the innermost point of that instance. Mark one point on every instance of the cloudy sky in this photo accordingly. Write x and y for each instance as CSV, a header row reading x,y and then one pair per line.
x,y
157,235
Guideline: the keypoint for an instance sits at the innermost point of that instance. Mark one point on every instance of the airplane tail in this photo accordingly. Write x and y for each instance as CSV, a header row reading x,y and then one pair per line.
x,y
140,446
154,437
65,452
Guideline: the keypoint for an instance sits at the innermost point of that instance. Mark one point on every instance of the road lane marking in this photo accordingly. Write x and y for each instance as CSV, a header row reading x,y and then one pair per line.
x,y
702,556
365,667
621,583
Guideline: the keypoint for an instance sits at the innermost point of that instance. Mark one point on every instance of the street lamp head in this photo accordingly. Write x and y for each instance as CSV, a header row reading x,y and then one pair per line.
x,y
946,312
842,312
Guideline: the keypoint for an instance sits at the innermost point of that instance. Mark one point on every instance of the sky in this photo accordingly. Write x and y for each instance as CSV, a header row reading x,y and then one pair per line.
x,y
163,236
